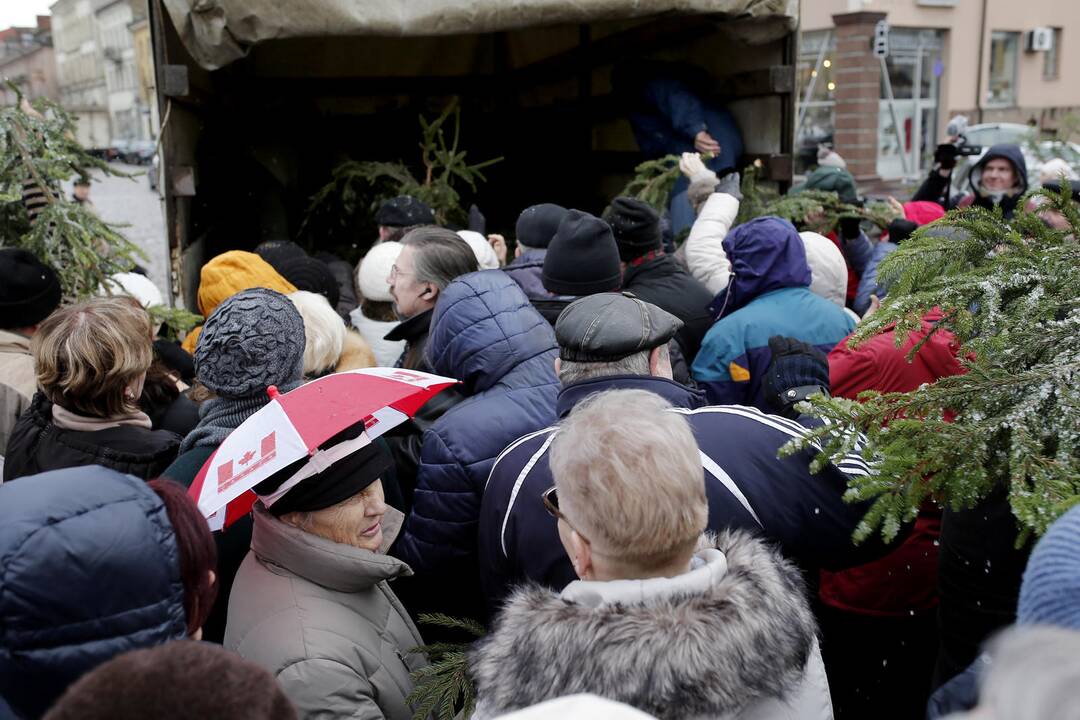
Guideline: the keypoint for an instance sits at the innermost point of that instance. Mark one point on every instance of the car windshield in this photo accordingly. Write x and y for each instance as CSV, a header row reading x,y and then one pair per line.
x,y
997,135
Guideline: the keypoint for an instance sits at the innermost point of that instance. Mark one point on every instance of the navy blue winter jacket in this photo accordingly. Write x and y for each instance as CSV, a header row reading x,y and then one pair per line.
x,y
485,333
747,487
89,569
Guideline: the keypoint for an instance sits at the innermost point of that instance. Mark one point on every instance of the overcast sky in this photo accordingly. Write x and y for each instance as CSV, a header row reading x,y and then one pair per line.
x,y
22,12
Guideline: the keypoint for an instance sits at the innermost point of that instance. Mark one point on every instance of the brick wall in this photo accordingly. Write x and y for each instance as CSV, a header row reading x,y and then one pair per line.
x,y
858,77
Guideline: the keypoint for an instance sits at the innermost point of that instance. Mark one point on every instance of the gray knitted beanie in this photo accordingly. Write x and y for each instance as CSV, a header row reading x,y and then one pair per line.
x,y
251,341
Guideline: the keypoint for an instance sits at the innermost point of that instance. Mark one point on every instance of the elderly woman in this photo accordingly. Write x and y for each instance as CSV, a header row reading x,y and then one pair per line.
x,y
311,601
96,563
661,619
91,361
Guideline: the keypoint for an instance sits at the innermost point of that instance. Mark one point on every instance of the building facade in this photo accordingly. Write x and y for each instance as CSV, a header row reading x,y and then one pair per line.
x,y
27,62
991,60
80,68
113,18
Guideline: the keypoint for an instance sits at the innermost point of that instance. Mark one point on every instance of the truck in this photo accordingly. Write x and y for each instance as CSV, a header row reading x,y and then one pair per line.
x,y
259,100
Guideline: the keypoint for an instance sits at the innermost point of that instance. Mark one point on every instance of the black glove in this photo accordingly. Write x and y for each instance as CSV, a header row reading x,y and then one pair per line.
x,y
901,229
945,156
797,371
849,227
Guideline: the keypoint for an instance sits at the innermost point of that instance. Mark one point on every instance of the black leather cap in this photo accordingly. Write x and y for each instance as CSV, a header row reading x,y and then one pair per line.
x,y
610,326
404,211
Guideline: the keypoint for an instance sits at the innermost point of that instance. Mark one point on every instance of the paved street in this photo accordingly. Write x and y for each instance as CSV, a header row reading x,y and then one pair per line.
x,y
131,202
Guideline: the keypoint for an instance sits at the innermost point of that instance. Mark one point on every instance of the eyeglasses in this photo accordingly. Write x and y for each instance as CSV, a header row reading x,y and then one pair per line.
x,y
394,272
551,502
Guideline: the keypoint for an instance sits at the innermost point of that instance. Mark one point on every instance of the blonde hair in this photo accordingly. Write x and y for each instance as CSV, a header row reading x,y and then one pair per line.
x,y
630,478
324,330
87,355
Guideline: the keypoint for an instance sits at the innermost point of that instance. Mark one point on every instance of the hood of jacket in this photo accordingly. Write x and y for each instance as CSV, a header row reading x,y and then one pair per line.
x,y
828,270
830,179
682,652
482,328
90,570
1003,151
766,254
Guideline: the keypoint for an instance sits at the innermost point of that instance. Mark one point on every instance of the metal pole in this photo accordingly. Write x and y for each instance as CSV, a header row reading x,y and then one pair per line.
x,y
892,109
813,81
916,145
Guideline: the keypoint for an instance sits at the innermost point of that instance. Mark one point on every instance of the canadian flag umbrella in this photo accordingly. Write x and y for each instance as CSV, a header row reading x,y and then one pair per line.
x,y
292,426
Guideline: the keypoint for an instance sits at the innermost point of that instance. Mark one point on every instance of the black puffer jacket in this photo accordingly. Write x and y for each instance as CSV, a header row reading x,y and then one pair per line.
x,y
37,445
666,284
89,569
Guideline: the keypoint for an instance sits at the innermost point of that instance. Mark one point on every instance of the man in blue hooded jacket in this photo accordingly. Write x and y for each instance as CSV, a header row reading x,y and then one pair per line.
x,y
614,341
769,294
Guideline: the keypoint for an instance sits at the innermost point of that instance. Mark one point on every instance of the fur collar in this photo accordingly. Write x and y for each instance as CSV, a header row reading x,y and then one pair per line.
x,y
707,654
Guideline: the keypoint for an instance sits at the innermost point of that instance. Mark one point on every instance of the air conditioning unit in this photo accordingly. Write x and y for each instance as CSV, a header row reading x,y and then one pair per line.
x,y
1040,39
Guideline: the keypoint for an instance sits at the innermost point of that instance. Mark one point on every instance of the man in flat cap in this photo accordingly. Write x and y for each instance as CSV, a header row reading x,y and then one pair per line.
x,y
615,341
397,215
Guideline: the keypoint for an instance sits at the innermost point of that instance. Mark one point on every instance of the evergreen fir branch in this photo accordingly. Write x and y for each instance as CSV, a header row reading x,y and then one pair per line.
x,y
451,623
176,320
78,245
444,687
653,181
357,188
1008,290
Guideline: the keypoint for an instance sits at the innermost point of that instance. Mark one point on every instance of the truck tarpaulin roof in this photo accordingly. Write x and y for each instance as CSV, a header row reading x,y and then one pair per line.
x,y
217,32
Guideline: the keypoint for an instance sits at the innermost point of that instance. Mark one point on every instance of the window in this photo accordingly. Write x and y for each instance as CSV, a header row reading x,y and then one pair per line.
x,y
1003,55
1050,59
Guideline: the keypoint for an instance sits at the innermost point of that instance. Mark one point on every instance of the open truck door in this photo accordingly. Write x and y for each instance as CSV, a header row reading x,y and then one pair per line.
x,y
260,99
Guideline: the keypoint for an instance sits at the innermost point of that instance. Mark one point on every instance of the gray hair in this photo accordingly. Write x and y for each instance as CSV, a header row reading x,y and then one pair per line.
x,y
1034,675
637,364
629,477
441,255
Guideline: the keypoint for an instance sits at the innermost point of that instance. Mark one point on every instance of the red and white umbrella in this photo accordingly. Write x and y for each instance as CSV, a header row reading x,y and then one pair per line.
x,y
292,426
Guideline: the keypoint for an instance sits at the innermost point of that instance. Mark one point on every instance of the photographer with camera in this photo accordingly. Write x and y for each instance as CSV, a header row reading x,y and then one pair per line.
x,y
998,179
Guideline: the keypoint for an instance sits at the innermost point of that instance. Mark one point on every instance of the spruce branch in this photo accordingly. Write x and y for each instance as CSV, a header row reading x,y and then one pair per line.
x,y
443,688
1008,292
39,149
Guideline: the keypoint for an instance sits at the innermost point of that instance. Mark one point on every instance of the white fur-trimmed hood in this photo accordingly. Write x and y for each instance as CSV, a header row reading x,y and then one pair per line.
x,y
711,654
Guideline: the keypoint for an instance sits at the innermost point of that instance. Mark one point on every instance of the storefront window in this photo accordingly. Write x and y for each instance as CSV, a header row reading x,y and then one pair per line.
x,y
1003,55
817,86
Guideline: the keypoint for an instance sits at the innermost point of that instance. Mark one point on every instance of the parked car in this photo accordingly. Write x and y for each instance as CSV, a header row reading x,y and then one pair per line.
x,y
118,147
140,152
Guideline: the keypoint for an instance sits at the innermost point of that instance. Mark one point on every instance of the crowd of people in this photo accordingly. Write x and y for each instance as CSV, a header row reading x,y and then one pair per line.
x,y
601,489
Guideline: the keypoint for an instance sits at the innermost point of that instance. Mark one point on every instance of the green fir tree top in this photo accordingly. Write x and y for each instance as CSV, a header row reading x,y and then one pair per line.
x,y
1008,291
39,148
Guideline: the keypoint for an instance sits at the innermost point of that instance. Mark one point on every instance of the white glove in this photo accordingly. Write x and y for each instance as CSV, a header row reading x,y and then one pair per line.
x,y
691,165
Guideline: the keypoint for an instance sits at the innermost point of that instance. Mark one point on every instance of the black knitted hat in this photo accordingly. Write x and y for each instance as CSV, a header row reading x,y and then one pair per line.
x,y
307,273
536,225
404,211
29,289
582,258
276,252
635,225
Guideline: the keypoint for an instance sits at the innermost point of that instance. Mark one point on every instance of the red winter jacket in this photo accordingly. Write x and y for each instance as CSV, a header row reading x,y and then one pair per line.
x,y
905,580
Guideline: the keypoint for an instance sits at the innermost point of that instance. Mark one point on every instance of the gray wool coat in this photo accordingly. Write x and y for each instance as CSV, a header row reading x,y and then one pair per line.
x,y
322,618
733,638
